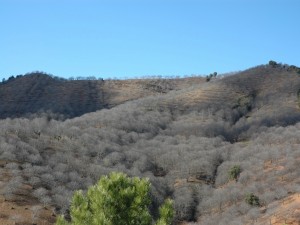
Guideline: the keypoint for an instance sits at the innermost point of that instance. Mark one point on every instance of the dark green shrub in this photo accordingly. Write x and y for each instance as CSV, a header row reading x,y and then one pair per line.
x,y
234,172
273,63
252,200
208,77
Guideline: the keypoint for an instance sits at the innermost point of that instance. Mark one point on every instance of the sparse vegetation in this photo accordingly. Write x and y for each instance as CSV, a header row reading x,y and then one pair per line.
x,y
210,76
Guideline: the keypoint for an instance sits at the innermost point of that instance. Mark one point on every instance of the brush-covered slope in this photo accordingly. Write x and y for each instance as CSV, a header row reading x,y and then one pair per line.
x,y
39,92
185,141
35,93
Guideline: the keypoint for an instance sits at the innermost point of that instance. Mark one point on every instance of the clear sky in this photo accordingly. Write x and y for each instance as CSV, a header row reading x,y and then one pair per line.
x,y
127,38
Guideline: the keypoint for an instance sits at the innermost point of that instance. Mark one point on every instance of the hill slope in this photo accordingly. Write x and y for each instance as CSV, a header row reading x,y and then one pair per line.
x,y
38,92
184,140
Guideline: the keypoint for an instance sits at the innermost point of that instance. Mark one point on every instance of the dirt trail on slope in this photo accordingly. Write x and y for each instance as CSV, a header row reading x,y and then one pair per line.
x,y
285,211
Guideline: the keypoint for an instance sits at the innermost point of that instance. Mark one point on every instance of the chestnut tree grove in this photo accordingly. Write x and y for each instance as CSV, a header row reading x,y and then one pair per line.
x,y
220,150
116,200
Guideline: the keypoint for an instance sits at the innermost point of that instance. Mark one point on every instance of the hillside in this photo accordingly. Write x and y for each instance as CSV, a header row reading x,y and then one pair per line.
x,y
185,135
39,92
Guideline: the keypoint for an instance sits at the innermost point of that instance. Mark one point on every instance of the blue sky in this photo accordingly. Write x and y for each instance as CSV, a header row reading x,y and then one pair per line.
x,y
128,38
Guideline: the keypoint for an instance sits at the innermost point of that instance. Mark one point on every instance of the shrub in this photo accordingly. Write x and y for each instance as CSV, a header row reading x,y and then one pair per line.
x,y
252,200
210,76
234,172
273,63
116,200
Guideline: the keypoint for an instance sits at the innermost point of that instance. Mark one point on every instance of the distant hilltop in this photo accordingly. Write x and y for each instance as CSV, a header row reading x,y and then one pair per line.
x,y
39,92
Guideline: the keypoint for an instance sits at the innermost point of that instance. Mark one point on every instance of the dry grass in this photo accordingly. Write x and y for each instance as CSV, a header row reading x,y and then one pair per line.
x,y
285,211
22,208
12,213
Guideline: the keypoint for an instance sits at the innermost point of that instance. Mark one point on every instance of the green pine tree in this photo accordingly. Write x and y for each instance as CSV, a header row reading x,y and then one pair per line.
x,y
116,200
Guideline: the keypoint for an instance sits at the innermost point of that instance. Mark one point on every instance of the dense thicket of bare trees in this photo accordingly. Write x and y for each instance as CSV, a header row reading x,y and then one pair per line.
x,y
187,151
